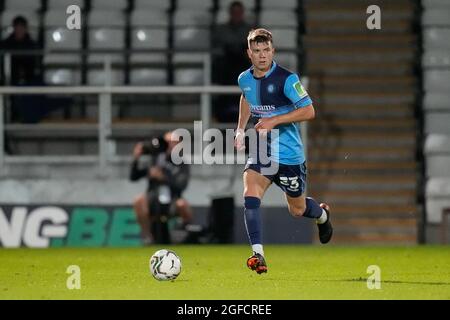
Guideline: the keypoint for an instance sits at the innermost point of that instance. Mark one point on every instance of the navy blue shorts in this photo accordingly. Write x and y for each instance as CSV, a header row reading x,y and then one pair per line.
x,y
290,178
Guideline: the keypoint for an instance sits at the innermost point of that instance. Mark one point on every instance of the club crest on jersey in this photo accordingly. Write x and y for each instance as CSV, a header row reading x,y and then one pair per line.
x,y
300,90
270,88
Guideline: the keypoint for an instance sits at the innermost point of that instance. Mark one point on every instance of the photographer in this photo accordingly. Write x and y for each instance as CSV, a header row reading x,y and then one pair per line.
x,y
161,172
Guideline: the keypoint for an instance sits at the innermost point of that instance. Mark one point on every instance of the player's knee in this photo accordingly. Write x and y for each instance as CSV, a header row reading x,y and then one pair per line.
x,y
139,204
181,204
137,201
255,193
296,211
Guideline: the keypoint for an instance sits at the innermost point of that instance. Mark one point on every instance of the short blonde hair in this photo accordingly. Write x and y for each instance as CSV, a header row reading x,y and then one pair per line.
x,y
259,35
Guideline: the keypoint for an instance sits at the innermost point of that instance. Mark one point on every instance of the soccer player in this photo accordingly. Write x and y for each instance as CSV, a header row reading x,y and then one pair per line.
x,y
275,99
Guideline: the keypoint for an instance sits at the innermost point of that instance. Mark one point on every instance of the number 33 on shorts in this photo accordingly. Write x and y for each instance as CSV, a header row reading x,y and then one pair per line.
x,y
291,183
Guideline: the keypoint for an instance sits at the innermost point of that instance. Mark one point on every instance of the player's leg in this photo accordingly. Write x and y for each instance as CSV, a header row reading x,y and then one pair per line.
x,y
292,180
309,208
184,210
255,185
141,209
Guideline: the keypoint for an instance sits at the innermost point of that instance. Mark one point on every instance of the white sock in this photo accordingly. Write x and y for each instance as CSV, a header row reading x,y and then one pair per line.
x,y
323,217
258,248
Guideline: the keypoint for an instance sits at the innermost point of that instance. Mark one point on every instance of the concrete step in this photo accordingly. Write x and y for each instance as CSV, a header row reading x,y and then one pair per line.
x,y
363,168
352,3
372,40
364,97
364,111
361,55
397,8
328,139
345,211
353,24
368,197
356,83
376,223
384,125
368,69
342,182
361,82
364,153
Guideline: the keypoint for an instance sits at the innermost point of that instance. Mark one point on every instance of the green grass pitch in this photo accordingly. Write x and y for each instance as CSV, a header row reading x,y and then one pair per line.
x,y
219,272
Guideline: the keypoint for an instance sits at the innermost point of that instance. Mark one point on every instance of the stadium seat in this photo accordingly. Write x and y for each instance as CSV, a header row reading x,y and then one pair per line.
x,y
436,58
437,80
149,18
61,38
62,77
146,38
192,29
22,5
109,4
248,4
97,77
287,60
437,165
223,16
194,4
436,17
188,76
148,77
63,4
438,197
284,38
280,18
57,36
158,5
183,18
434,4
437,143
436,100
107,31
147,58
436,38
196,58
192,38
149,31
438,122
279,4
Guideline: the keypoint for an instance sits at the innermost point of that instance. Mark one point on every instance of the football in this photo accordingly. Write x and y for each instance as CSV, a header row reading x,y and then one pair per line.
x,y
165,265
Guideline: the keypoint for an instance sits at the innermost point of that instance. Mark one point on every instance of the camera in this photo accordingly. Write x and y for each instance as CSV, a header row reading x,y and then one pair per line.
x,y
155,146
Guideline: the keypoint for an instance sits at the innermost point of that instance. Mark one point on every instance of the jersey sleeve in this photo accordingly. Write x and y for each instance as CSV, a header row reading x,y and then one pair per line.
x,y
294,91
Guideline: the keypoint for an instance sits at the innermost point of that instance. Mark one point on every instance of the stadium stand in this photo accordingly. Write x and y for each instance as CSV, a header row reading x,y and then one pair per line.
x,y
436,108
362,154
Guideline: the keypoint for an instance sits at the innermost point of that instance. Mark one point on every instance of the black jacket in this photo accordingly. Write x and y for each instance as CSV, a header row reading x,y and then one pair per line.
x,y
24,67
176,176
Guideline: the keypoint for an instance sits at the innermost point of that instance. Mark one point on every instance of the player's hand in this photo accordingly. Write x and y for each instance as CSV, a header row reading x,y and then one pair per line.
x,y
239,139
266,124
138,150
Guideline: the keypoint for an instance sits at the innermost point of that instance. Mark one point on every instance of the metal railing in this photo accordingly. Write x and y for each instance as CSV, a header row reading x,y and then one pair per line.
x,y
104,95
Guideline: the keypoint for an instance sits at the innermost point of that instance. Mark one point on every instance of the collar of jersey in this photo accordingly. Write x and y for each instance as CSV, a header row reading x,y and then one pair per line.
x,y
274,65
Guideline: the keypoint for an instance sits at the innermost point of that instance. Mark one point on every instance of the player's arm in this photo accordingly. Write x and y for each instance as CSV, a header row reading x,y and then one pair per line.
x,y
298,115
244,115
303,111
